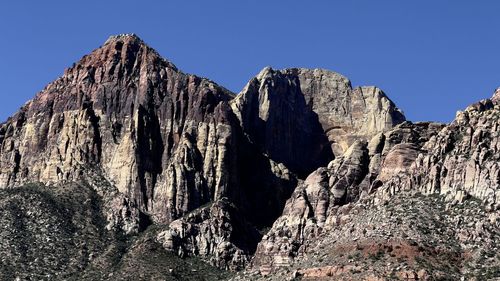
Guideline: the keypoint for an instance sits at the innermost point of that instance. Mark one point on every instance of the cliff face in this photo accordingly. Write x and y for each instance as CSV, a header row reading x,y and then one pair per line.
x,y
458,161
298,154
158,135
304,118
170,141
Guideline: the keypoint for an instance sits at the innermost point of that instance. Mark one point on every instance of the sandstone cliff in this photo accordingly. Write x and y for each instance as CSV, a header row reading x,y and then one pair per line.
x,y
259,180
458,161
159,136
304,118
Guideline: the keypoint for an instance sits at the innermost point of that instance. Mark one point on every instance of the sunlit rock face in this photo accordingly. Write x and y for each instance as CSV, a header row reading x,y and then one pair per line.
x,y
158,135
458,161
259,178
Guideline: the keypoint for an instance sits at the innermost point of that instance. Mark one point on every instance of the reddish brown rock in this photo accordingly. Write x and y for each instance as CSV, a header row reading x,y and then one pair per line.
x,y
161,137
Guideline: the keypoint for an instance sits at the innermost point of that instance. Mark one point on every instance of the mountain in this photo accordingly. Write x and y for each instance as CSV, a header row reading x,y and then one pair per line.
x,y
126,168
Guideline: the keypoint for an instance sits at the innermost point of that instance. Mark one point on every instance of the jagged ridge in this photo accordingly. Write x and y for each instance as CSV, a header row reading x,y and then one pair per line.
x,y
158,144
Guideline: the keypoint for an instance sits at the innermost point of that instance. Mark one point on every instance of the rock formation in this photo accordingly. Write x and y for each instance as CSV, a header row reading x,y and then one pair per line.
x,y
217,232
255,181
303,118
161,137
458,161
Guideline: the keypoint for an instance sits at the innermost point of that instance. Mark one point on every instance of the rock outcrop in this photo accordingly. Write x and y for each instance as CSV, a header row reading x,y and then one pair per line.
x,y
463,158
314,206
292,122
161,137
409,237
217,232
264,177
304,118
458,161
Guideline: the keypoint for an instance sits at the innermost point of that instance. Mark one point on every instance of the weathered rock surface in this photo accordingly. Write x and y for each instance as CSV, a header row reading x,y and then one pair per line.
x,y
217,232
294,121
410,237
154,142
303,118
164,143
299,154
314,206
463,158
459,160
161,137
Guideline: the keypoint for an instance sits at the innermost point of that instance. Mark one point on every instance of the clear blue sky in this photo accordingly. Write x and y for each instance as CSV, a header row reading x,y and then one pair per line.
x,y
431,57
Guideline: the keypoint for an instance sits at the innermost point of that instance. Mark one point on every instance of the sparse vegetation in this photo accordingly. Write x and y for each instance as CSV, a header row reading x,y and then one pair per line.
x,y
58,233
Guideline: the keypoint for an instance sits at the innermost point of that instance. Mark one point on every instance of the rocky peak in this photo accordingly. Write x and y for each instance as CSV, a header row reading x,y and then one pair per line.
x,y
298,149
123,36
122,56
134,116
305,117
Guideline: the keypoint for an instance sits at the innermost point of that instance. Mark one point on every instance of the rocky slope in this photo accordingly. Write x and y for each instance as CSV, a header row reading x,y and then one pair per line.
x,y
59,233
297,164
409,237
458,161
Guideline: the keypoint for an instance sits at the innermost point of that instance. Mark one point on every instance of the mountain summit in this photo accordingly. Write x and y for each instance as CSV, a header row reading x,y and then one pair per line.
x,y
173,165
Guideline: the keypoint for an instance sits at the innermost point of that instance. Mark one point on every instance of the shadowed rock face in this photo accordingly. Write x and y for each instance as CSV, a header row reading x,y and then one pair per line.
x,y
276,117
304,118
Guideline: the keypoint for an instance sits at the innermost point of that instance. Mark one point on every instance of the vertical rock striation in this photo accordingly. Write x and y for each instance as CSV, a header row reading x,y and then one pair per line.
x,y
458,161
161,137
295,150
304,118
